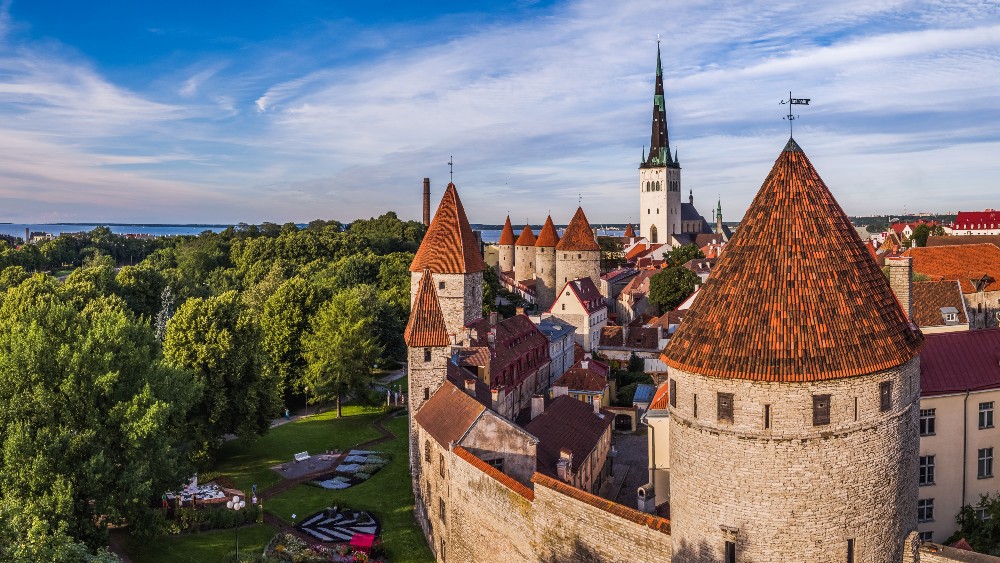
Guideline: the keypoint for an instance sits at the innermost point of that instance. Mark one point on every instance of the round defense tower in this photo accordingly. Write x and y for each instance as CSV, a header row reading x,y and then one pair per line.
x,y
794,387
545,265
506,244
578,255
524,262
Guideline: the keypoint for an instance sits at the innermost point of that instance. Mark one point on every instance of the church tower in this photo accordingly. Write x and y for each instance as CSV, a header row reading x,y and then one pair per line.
x,y
659,176
451,252
545,265
797,371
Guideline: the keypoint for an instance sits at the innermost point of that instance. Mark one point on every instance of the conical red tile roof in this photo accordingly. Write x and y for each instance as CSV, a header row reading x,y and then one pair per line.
x,y
578,235
449,246
796,296
426,325
527,237
548,236
629,231
507,234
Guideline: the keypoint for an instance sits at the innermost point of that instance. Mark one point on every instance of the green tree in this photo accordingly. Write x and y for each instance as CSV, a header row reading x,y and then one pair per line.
x,y
340,349
669,287
982,534
91,419
920,234
141,287
284,320
682,254
218,341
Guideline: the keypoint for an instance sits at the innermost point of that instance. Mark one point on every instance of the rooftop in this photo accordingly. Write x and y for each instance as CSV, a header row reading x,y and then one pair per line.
x,y
449,414
426,326
507,234
449,245
931,297
548,236
578,234
967,263
955,362
566,423
527,237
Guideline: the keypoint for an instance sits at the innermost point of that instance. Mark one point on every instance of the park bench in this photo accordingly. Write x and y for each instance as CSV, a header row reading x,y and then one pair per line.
x,y
302,456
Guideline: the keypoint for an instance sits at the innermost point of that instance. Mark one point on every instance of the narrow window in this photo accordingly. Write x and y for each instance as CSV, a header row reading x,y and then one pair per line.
x,y
850,550
563,306
427,354
441,461
927,420
926,470
441,507
442,550
925,510
767,417
427,393
725,407
695,409
986,415
730,552
855,409
440,285
427,451
985,459
821,410
673,393
885,395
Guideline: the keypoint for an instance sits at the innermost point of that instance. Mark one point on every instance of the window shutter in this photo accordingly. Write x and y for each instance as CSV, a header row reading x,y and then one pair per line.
x,y
821,410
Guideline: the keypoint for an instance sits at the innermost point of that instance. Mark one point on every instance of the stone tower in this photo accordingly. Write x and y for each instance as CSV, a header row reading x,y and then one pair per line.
x,y
659,176
451,253
524,255
427,342
578,254
506,244
794,388
545,265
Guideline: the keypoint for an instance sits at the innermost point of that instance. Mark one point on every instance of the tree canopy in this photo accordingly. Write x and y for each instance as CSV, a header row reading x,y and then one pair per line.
x,y
670,287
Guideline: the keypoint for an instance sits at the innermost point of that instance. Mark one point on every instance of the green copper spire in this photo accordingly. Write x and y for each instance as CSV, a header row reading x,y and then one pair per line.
x,y
659,145
659,67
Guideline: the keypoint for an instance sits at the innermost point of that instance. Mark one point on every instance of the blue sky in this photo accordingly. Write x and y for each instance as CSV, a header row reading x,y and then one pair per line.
x,y
231,111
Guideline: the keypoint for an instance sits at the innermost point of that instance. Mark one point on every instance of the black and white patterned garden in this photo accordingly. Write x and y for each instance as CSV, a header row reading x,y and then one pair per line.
x,y
336,526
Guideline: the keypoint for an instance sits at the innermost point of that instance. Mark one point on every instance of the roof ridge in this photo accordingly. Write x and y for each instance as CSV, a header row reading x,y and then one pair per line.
x,y
426,326
449,245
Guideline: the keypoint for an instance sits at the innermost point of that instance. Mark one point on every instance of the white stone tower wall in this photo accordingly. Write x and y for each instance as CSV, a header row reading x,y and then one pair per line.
x,y
575,264
653,209
674,202
794,492
461,298
524,262
506,257
545,276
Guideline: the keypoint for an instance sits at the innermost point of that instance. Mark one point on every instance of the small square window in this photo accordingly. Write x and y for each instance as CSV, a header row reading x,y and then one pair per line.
x,y
925,510
440,285
926,536
983,514
496,464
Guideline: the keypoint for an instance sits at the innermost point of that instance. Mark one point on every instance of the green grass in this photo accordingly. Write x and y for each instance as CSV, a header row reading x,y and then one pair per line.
x,y
250,464
202,547
388,495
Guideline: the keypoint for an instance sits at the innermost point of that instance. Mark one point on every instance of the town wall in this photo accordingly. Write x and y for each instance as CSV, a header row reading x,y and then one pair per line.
x,y
545,277
461,298
782,507
499,439
506,261
524,262
576,264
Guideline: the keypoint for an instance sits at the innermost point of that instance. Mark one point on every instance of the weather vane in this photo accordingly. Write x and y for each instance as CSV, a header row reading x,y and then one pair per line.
x,y
793,102
579,200
451,169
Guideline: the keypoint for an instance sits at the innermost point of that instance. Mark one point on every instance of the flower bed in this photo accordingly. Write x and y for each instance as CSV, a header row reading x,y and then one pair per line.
x,y
357,467
287,547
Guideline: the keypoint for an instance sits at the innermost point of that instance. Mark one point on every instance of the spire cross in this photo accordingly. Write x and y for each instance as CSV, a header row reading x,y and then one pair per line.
x,y
451,169
793,102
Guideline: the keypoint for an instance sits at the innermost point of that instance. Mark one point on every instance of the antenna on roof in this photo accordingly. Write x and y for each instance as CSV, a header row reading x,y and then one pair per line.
x,y
793,102
451,169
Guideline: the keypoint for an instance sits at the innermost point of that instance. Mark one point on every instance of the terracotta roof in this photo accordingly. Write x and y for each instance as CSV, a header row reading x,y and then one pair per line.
x,y
929,297
629,231
951,240
517,351
587,293
449,414
426,324
612,336
449,246
640,250
587,378
962,544
502,478
622,511
661,400
966,263
507,234
812,308
953,362
977,220
642,338
548,237
527,237
705,239
567,423
578,234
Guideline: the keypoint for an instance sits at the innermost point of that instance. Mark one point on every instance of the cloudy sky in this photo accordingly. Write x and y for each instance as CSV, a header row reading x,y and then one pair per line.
x,y
229,111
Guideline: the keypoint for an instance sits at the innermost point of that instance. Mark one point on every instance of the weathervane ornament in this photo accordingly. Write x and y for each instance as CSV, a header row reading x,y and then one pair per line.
x,y
793,102
451,169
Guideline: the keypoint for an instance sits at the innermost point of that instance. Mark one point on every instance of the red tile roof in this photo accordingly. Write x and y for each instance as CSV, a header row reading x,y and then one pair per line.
x,y
593,378
629,231
567,423
814,307
527,237
449,414
640,250
973,220
548,236
962,544
587,293
953,362
502,478
642,338
622,511
449,246
517,351
578,234
951,240
507,234
966,263
930,296
426,326
662,397
612,336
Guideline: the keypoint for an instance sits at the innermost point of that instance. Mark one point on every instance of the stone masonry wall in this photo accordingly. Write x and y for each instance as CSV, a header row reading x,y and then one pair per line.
x,y
803,490
506,263
545,277
461,298
575,264
524,262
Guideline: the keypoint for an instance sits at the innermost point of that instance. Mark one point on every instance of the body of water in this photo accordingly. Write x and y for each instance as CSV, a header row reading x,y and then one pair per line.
x,y
55,229
492,236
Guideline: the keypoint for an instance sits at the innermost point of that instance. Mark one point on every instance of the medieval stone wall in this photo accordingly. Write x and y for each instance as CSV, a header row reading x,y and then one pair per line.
x,y
545,277
784,489
524,263
493,438
506,263
461,298
575,264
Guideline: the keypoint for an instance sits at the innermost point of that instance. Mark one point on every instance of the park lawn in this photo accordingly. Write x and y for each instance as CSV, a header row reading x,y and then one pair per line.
x,y
200,547
251,464
388,495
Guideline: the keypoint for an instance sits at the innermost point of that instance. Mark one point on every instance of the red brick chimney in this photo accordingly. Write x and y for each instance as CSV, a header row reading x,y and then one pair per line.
x,y
427,202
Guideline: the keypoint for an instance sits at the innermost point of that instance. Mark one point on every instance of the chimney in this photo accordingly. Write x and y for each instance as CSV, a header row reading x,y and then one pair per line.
x,y
427,202
470,387
537,405
27,234
493,318
901,281
520,310
495,397
584,364
564,467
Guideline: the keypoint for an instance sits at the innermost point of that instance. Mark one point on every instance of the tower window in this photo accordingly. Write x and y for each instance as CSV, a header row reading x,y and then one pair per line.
x,y
440,285
427,451
850,550
725,407
885,395
427,393
730,552
441,461
695,406
673,392
767,417
821,410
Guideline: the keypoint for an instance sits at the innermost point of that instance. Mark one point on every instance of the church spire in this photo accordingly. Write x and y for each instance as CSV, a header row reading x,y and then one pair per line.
x,y
659,144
